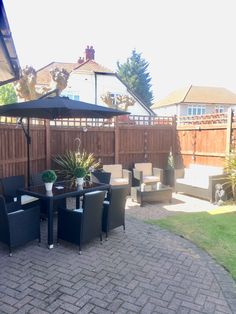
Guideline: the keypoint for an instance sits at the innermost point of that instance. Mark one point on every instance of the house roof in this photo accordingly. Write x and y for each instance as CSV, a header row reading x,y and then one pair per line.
x,y
198,94
43,74
91,66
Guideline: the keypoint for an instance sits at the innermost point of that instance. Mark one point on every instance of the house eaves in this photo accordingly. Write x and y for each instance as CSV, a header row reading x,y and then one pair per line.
x,y
9,63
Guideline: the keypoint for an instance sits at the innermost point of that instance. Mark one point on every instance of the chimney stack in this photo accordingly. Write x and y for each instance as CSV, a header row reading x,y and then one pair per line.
x,y
89,53
80,60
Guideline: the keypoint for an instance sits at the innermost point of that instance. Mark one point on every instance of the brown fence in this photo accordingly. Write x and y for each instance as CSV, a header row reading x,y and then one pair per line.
x,y
133,140
205,139
201,139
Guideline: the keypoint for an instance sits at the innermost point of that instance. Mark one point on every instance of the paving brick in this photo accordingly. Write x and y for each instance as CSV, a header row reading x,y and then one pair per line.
x,y
131,307
115,305
68,298
7,309
86,309
70,307
148,308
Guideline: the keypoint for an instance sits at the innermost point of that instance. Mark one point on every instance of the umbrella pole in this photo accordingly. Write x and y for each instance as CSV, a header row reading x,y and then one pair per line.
x,y
28,142
28,138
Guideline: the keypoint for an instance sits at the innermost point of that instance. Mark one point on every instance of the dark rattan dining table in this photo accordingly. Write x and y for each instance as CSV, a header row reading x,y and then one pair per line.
x,y
60,191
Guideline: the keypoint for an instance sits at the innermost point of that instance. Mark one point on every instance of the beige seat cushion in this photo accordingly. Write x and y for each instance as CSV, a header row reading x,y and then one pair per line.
x,y
115,170
26,199
145,167
119,181
150,179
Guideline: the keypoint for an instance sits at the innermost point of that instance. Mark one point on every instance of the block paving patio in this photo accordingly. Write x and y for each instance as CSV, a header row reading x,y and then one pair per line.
x,y
144,270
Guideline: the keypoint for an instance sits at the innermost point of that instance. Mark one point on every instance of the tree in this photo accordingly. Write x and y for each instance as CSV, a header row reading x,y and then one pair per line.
x,y
121,102
135,75
7,94
26,87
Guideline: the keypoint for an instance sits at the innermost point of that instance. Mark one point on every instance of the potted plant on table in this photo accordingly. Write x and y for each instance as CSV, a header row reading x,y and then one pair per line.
x,y
71,160
49,177
79,174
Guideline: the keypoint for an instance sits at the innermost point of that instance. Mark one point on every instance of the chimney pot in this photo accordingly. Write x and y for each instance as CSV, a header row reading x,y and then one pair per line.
x,y
89,53
80,60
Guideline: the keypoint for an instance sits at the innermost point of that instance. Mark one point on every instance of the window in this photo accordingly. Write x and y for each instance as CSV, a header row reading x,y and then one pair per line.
x,y
71,94
219,109
114,98
194,110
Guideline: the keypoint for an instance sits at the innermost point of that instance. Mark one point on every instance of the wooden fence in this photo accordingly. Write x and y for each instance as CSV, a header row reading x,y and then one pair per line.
x,y
205,139
201,139
135,139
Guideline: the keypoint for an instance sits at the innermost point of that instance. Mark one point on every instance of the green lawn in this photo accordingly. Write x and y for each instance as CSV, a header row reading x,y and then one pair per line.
x,y
216,234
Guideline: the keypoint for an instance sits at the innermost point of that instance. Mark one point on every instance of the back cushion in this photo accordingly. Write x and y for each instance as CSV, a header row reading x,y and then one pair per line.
x,y
206,170
145,167
115,170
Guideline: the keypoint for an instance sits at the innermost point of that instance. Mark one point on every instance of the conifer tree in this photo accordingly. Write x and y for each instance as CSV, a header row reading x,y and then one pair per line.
x,y
134,73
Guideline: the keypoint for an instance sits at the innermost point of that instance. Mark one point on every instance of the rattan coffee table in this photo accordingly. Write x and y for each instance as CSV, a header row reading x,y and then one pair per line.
x,y
151,194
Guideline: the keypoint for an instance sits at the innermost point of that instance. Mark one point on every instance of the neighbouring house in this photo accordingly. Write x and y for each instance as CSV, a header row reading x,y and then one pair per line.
x,y
195,100
90,82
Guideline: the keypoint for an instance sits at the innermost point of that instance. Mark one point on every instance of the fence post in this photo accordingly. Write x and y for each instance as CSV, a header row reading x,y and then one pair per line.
x,y
174,138
48,144
229,131
117,140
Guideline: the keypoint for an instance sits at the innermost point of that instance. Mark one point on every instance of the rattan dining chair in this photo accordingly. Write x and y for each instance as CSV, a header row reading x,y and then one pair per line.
x,y
114,210
10,186
81,225
18,226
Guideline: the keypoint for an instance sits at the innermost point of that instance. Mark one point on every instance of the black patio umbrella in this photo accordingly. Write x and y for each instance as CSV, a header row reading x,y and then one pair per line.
x,y
58,107
55,108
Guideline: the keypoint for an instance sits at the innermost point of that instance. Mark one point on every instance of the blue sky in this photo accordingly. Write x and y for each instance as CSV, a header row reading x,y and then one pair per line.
x,y
185,41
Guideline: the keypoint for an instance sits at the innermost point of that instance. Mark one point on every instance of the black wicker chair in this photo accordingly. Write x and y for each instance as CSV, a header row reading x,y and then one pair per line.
x,y
20,226
36,179
100,177
81,225
114,210
10,186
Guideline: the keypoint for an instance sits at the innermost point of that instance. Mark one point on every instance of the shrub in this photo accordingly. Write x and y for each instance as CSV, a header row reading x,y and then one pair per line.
x,y
80,172
230,169
49,176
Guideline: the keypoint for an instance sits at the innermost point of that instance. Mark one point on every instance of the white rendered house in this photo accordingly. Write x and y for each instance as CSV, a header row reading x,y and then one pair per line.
x,y
89,81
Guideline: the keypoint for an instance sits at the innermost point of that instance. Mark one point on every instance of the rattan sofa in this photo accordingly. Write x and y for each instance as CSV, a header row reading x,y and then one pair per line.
x,y
199,180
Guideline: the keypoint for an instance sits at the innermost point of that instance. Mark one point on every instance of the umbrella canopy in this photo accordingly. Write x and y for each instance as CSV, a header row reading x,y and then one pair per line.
x,y
58,107
54,108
